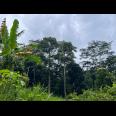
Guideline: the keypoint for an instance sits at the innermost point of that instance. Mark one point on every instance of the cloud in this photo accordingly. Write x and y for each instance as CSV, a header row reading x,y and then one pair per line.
x,y
77,28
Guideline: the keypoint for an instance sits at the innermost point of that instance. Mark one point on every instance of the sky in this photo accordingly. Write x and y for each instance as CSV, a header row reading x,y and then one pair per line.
x,y
76,28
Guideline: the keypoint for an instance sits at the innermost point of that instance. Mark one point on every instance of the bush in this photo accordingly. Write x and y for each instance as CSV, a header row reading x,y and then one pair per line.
x,y
72,96
13,77
32,94
112,91
97,95
13,88
36,93
10,83
89,95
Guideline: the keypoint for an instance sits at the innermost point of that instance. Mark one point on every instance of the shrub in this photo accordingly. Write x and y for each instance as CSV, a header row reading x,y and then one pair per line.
x,y
32,94
10,83
112,91
97,95
36,93
13,88
72,96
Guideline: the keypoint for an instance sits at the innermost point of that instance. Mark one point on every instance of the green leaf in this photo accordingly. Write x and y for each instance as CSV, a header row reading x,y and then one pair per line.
x,y
13,34
5,38
34,58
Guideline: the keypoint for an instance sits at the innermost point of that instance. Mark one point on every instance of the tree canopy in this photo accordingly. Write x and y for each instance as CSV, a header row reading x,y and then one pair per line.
x,y
46,68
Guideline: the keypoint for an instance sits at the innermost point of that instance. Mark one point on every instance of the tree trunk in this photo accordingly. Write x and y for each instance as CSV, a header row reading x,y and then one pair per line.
x,y
93,85
34,74
49,83
64,80
64,71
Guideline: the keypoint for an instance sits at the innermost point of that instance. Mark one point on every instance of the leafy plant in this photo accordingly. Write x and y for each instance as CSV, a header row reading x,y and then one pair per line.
x,y
33,58
9,41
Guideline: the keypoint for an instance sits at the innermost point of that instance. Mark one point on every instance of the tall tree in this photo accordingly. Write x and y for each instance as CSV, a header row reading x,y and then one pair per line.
x,y
48,46
95,53
93,57
65,56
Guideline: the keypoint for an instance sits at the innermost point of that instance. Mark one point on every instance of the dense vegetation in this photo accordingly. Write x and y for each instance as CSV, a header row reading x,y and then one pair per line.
x,y
46,69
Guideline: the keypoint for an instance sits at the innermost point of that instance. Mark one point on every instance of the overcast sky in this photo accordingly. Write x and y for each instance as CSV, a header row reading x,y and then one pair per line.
x,y
77,28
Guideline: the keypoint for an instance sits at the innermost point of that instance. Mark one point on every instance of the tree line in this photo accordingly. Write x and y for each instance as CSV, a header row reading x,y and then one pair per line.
x,y
52,64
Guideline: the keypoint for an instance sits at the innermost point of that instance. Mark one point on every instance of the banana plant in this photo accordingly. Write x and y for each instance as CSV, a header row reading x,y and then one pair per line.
x,y
10,46
9,40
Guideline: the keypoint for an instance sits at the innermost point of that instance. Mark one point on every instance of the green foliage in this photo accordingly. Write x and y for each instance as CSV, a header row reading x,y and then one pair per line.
x,y
13,77
112,90
90,95
13,34
103,78
32,94
103,94
95,53
72,97
10,83
13,88
33,58
97,78
9,41
4,37
75,78
50,64
36,93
